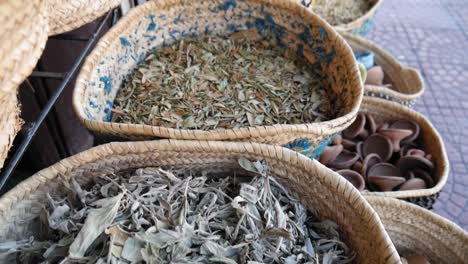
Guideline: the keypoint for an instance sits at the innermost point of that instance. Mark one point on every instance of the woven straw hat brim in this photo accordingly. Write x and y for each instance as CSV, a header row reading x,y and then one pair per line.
x,y
417,231
318,188
383,110
408,84
67,15
277,134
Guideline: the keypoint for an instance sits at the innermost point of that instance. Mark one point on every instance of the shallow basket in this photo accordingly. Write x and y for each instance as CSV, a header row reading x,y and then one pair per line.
x,y
417,231
67,15
318,188
361,26
157,23
384,110
407,83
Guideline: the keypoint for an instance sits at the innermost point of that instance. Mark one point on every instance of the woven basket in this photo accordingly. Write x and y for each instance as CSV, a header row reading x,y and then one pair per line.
x,y
407,83
384,110
329,195
23,28
10,124
146,27
361,26
67,15
417,231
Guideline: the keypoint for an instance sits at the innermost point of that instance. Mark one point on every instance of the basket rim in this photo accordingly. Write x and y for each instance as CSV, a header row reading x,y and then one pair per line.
x,y
442,153
417,83
318,128
357,22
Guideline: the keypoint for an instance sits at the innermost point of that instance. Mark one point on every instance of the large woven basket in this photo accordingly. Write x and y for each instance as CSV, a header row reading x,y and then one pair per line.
x,y
407,83
146,27
417,231
330,196
384,110
361,26
23,34
67,15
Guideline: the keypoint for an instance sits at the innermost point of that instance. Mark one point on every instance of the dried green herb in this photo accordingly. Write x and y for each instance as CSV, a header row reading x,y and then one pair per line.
x,y
338,12
153,215
221,82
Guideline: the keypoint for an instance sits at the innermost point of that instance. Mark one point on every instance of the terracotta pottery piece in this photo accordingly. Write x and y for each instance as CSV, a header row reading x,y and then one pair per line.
x,y
409,163
410,125
429,156
384,169
356,128
369,162
337,140
413,184
357,167
416,152
378,144
395,135
344,160
359,149
425,176
375,76
348,144
382,126
354,178
370,125
330,153
385,183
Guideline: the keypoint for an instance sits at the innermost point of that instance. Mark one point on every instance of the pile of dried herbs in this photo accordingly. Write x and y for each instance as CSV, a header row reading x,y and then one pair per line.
x,y
153,215
338,12
220,82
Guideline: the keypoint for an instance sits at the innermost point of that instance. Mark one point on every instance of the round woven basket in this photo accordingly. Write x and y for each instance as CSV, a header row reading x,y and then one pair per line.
x,y
146,27
417,231
361,26
384,110
330,196
23,28
10,124
407,83
67,15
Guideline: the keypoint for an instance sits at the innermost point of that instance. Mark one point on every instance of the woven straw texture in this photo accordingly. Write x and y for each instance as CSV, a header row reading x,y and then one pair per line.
x,y
162,22
10,124
23,28
417,231
407,83
361,26
330,196
67,15
384,110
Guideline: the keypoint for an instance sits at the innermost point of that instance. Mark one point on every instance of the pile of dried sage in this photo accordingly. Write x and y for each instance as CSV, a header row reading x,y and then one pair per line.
x,y
338,12
154,215
221,82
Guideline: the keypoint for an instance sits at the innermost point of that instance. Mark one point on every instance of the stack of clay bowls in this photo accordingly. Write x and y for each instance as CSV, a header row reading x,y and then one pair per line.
x,y
389,150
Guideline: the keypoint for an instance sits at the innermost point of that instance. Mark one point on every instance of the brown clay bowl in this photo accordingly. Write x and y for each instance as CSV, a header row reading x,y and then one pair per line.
x,y
395,135
378,144
369,162
410,163
385,183
413,184
344,160
354,178
409,125
356,128
330,153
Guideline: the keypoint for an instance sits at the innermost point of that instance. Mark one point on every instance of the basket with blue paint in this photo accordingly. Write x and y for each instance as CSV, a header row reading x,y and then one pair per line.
x,y
396,82
158,24
353,16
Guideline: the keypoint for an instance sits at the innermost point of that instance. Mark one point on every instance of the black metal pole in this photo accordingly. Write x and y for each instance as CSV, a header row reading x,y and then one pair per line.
x,y
32,131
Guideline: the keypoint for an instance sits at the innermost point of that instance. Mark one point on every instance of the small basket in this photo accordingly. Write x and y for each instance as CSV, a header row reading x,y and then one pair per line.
x,y
383,110
146,27
417,231
330,196
407,83
67,15
361,26
10,124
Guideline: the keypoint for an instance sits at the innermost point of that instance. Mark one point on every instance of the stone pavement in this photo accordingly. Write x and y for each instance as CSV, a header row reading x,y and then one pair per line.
x,y
432,35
